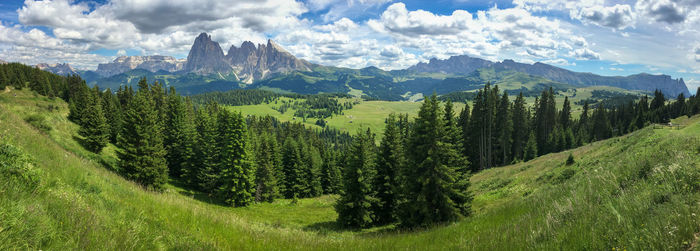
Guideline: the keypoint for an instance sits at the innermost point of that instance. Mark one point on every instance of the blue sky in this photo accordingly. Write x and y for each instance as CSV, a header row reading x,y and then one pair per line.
x,y
607,37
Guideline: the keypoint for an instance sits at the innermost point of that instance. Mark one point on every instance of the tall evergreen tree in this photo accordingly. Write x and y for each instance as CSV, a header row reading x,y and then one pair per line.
x,y
179,134
312,168
94,126
356,199
436,184
520,127
113,113
530,147
463,124
389,161
207,174
268,161
142,156
331,176
504,130
601,124
565,114
292,165
237,171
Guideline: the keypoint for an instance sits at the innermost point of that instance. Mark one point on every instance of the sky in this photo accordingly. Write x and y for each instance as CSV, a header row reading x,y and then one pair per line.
x,y
606,37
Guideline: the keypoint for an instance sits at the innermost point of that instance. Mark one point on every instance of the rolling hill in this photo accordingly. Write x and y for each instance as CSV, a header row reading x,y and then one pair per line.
x,y
638,191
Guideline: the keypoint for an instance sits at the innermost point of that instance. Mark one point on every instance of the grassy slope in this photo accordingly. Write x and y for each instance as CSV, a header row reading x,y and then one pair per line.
x,y
636,192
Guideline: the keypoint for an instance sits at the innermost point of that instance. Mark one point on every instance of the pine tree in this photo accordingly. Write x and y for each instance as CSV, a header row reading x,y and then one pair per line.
x,y
113,113
179,135
206,151
504,130
601,124
476,132
520,127
356,199
530,148
331,176
142,156
268,161
463,124
389,161
292,164
94,126
235,166
436,184
191,162
312,169
565,114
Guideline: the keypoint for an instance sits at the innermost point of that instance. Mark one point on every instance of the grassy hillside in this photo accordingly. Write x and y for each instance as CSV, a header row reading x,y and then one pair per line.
x,y
640,191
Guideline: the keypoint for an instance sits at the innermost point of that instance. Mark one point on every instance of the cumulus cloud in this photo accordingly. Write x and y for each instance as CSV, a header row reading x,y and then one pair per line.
x,y
489,34
35,55
668,11
331,32
617,17
584,54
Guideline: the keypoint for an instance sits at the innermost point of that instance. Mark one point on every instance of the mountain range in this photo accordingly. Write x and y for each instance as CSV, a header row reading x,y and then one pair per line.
x,y
269,65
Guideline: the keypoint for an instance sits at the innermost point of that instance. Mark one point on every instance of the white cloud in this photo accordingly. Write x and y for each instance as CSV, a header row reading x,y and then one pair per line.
x,y
584,54
35,55
692,85
559,61
618,17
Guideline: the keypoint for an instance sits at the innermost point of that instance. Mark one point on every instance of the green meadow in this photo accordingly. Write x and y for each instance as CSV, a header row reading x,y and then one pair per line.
x,y
635,192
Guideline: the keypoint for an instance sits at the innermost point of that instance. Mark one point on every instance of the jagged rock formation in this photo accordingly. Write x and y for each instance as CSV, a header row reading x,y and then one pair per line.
x,y
252,63
453,65
249,63
60,69
206,57
151,63
646,82
2,61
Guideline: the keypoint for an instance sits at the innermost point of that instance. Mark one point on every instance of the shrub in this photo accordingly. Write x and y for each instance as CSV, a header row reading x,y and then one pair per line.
x,y
570,160
38,121
17,169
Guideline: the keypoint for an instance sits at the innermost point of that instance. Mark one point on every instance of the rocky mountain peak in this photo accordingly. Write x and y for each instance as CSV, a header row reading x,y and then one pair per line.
x,y
60,69
206,57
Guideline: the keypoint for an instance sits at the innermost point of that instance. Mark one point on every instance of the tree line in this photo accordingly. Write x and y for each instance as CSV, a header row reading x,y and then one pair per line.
x,y
161,135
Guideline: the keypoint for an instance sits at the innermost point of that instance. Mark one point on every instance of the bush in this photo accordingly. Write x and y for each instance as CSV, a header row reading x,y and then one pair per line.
x,y
17,169
38,121
570,160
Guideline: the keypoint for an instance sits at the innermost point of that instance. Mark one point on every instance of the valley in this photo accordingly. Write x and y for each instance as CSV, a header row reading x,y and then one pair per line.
x,y
77,202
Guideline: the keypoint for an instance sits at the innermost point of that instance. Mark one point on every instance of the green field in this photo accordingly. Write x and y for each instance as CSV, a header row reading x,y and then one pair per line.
x,y
371,114
640,191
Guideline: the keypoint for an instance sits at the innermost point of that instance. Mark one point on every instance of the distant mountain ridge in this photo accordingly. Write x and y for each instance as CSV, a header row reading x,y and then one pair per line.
x,y
208,68
60,69
151,63
643,81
